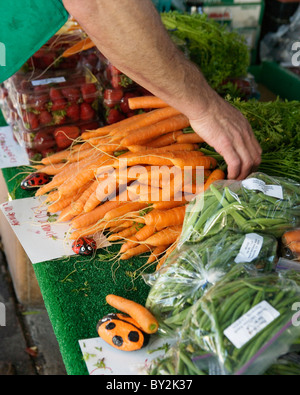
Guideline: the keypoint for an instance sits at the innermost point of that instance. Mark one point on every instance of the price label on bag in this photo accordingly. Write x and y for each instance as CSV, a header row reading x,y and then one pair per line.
x,y
251,323
250,248
259,185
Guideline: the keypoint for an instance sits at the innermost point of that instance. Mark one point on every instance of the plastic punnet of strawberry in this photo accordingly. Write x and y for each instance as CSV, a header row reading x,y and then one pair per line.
x,y
56,99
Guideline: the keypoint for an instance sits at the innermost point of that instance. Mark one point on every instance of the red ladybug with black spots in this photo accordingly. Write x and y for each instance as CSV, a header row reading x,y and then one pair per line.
x,y
122,332
84,246
35,180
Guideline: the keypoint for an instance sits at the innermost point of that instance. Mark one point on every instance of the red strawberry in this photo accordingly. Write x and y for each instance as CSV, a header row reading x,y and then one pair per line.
x,y
31,120
55,94
112,97
124,102
73,112
88,92
65,135
86,112
114,116
45,118
58,105
43,141
71,94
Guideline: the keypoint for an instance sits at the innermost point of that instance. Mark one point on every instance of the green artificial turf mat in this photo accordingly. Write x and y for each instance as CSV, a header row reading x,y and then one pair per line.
x,y
74,288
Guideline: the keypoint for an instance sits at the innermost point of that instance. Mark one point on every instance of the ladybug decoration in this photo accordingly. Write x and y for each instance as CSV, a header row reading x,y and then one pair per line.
x,y
35,180
84,246
122,332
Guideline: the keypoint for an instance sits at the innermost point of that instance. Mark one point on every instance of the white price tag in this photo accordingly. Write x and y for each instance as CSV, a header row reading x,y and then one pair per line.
x,y
48,81
250,248
259,185
251,323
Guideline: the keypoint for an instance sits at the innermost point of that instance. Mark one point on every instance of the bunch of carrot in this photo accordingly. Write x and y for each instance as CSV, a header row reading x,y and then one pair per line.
x,y
92,170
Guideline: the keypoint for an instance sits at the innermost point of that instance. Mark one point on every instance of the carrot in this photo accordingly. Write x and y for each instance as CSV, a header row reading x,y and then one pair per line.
x,y
94,216
170,204
146,102
165,236
82,45
53,169
166,139
156,253
215,175
78,205
139,313
145,120
171,124
123,234
167,254
138,250
145,232
294,246
61,204
66,214
189,138
172,147
127,209
163,219
58,157
291,236
132,242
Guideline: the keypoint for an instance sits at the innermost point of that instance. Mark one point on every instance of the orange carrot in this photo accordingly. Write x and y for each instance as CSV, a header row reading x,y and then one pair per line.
x,y
144,120
167,254
189,138
166,139
170,204
156,253
94,216
165,236
53,169
215,175
131,242
139,313
163,219
123,234
82,45
145,232
172,147
128,209
78,205
95,228
146,102
294,246
291,236
138,250
66,214
171,124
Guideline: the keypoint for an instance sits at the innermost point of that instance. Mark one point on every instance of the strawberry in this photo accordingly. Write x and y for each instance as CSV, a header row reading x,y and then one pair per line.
x,y
58,105
65,135
55,94
73,112
114,116
43,141
124,102
71,94
31,120
86,112
45,118
112,97
88,92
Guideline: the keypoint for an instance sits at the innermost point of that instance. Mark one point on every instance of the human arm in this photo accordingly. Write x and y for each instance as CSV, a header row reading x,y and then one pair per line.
x,y
130,34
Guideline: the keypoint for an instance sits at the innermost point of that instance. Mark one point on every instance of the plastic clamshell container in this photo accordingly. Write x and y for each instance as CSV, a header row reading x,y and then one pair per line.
x,y
55,98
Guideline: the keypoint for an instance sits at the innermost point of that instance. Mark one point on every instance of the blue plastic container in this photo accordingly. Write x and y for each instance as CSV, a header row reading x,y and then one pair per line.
x,y
163,5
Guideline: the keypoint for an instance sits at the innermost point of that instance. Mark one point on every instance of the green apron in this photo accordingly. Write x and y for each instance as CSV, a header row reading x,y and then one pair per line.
x,y
25,26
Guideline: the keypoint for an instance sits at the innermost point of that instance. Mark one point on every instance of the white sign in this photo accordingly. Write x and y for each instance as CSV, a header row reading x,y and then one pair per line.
x,y
250,248
11,153
259,185
251,323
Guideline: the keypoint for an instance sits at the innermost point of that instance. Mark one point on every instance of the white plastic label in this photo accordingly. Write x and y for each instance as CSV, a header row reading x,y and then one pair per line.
x,y
48,81
250,248
259,185
251,323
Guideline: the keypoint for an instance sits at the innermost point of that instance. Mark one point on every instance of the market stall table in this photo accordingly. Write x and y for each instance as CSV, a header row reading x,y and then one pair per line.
x,y
74,289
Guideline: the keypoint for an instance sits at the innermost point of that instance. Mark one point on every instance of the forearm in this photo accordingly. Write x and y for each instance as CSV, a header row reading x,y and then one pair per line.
x,y
141,48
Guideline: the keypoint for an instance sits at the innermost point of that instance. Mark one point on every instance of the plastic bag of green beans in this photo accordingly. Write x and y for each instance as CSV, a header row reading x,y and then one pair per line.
x,y
192,269
184,359
259,203
246,320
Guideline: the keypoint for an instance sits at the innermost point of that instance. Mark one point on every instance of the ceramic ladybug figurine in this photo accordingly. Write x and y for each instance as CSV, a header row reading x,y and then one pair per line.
x,y
84,246
35,180
122,332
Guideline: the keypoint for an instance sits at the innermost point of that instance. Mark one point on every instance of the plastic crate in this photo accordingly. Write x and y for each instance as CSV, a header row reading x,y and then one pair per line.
x,y
163,5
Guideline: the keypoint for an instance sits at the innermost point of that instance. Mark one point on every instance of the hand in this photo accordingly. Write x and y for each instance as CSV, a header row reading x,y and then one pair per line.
x,y
225,129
